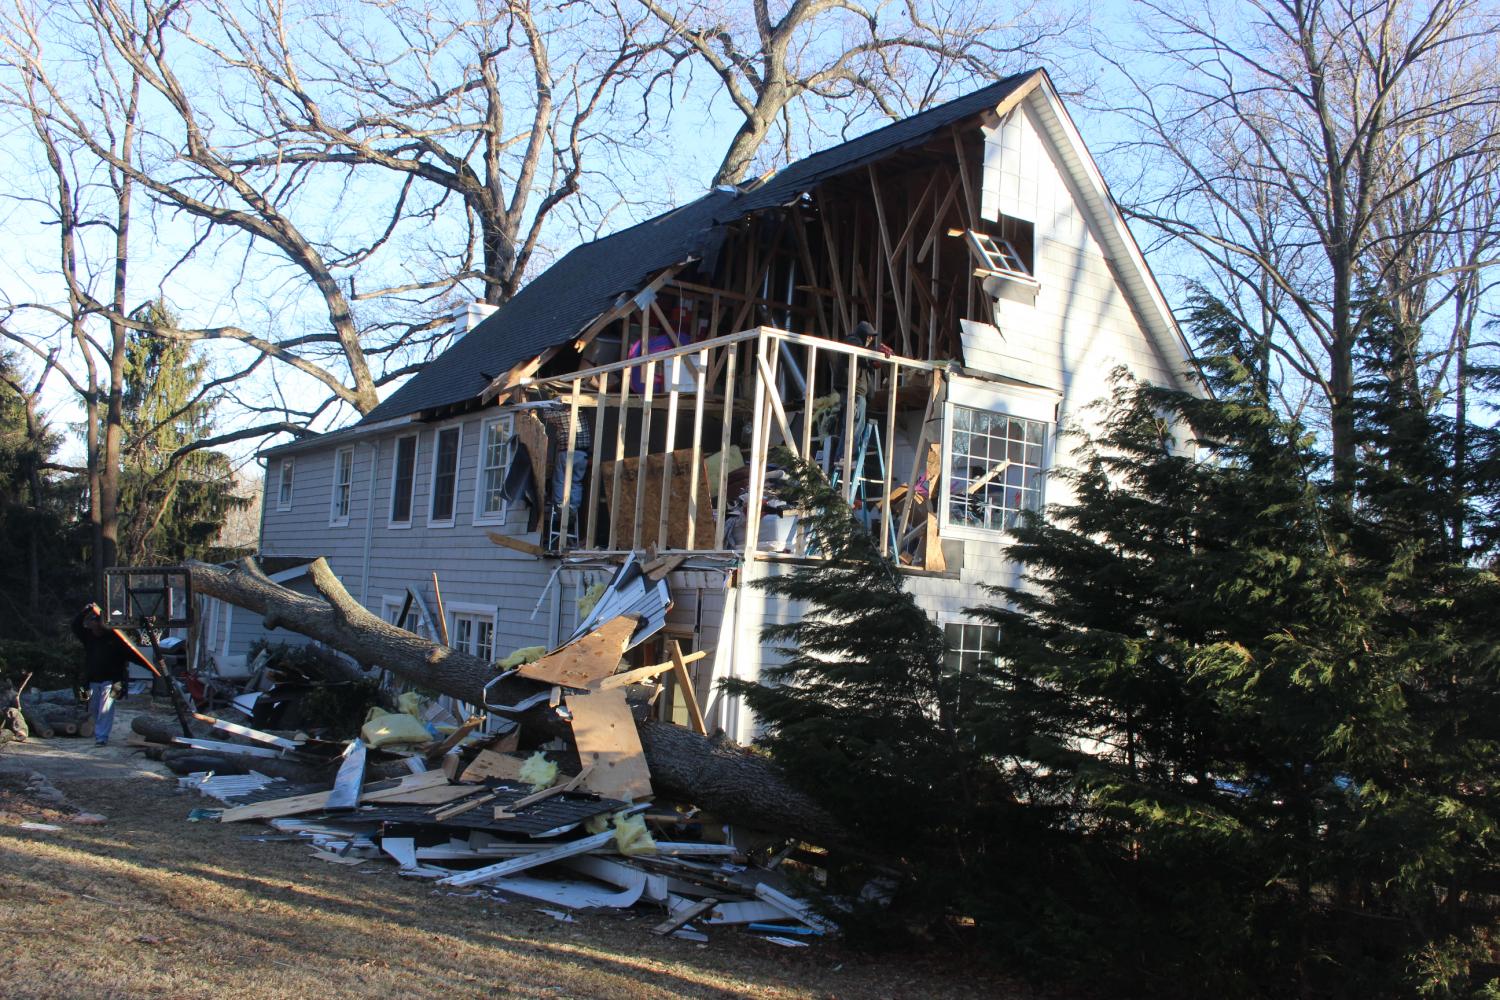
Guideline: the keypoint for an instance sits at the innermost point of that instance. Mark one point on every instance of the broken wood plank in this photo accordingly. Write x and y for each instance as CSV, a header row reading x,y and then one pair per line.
x,y
604,732
456,737
435,795
250,734
504,812
437,597
587,660
516,865
408,783
292,805
685,682
684,915
642,674
489,764
519,544
656,569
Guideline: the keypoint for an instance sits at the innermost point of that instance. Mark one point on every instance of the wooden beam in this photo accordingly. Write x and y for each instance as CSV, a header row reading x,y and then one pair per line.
x,y
890,261
519,544
437,596
685,682
775,397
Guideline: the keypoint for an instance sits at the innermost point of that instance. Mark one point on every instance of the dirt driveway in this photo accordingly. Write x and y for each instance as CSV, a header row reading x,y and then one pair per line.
x,y
151,905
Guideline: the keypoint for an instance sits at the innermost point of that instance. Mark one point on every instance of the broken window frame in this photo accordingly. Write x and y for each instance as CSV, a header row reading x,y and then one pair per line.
x,y
504,426
285,482
995,255
341,502
411,485
436,518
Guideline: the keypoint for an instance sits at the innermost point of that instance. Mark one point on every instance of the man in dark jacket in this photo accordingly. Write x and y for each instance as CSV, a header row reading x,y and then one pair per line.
x,y
105,668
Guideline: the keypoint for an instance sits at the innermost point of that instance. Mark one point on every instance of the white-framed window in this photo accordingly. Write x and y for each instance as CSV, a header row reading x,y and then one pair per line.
x,y
284,483
447,446
996,255
496,448
969,645
996,449
472,630
343,487
403,481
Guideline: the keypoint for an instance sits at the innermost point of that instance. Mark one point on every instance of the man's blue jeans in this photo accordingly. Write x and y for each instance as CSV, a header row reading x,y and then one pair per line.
x,y
102,708
579,460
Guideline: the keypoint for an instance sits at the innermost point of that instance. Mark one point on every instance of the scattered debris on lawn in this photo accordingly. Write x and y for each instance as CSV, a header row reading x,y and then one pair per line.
x,y
33,803
569,822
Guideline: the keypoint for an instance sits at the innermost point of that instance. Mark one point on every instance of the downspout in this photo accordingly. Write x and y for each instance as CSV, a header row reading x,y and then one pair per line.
x,y
364,582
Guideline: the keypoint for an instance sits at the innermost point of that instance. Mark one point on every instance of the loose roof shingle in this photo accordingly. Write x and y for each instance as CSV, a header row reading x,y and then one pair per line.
x,y
561,301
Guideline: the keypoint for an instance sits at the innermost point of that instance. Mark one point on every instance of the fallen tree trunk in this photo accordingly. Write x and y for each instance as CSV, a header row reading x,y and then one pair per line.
x,y
726,781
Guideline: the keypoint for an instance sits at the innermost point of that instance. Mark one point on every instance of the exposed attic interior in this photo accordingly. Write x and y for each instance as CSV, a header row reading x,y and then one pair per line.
x,y
725,363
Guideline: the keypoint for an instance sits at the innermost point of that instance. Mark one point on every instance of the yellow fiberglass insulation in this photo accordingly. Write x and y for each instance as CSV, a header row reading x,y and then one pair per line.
x,y
589,599
526,654
632,837
538,772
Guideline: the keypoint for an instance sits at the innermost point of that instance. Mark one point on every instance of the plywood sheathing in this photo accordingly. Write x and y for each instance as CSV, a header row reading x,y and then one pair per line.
x,y
623,518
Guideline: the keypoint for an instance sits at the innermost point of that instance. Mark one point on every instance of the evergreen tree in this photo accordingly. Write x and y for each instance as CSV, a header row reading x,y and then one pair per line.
x,y
862,713
1265,708
43,579
1241,734
172,503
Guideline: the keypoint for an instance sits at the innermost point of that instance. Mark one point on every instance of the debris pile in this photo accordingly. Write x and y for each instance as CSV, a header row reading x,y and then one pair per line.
x,y
546,797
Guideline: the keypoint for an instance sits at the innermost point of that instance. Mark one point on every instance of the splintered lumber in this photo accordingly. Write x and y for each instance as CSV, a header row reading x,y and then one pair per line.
x,y
521,864
435,795
729,782
489,764
685,682
236,729
315,801
684,915
605,734
519,544
293,805
409,784
585,661
456,737
504,812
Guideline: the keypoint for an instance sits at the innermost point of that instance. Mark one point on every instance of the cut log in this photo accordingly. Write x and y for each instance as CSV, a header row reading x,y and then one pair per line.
x,y
721,778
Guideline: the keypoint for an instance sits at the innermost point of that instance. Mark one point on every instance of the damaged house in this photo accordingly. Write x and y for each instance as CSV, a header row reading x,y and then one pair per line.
x,y
629,406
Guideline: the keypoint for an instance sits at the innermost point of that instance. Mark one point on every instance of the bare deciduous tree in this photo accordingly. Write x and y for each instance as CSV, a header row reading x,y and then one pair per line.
x,y
1320,155
775,61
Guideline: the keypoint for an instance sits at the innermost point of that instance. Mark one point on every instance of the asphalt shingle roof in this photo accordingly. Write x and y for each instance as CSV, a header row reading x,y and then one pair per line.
x,y
561,301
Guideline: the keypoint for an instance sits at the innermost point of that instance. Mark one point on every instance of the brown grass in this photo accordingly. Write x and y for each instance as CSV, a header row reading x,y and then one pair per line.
x,y
150,905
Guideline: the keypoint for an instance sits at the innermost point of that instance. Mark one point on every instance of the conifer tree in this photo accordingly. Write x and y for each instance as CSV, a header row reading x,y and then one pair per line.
x,y
172,502
862,714
1261,698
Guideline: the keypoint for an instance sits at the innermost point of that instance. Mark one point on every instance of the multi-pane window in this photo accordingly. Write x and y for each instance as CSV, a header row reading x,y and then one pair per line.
x,y
284,485
969,646
445,475
343,486
495,449
997,255
474,634
404,480
996,468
